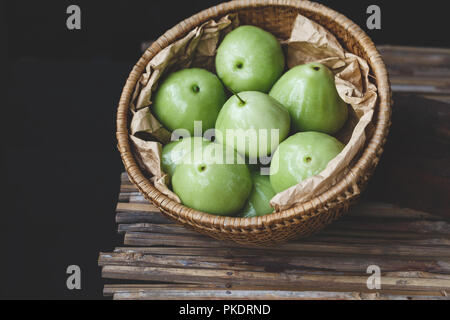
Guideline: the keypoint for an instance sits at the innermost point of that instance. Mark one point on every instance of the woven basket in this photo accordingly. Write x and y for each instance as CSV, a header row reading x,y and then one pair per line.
x,y
277,17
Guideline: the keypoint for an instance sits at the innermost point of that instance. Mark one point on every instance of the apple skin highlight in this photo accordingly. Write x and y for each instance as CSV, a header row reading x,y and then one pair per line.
x,y
249,59
186,96
309,93
211,185
253,128
301,156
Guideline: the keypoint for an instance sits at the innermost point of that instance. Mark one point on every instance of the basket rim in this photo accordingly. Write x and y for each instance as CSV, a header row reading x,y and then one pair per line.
x,y
205,221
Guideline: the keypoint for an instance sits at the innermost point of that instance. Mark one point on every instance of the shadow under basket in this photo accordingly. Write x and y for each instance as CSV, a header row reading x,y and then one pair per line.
x,y
277,17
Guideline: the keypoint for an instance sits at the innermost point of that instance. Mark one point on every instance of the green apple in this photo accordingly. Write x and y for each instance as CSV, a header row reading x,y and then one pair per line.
x,y
258,203
206,182
301,156
174,151
249,59
186,96
253,123
309,93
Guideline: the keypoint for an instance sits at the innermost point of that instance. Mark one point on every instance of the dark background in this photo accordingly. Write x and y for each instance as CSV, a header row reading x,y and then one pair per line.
x,y
60,168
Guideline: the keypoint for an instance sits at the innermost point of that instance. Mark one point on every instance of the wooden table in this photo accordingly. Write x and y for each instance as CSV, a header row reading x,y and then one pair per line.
x,y
401,224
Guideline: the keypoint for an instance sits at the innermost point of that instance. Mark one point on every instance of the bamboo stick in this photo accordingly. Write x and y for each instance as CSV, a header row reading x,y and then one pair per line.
x,y
136,207
138,213
157,228
272,262
132,196
178,291
263,295
415,56
268,251
141,217
234,295
420,230
111,289
362,246
299,281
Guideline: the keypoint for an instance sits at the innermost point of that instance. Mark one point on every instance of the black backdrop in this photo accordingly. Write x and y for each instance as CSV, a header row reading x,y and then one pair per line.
x,y
60,168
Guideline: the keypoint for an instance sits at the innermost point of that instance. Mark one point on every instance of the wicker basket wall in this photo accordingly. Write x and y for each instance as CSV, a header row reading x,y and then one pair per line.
x,y
275,16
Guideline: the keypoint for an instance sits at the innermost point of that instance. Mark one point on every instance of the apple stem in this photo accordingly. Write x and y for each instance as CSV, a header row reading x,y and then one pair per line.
x,y
240,99
234,93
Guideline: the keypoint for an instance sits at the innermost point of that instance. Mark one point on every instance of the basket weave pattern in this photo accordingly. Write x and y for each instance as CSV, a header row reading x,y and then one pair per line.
x,y
277,17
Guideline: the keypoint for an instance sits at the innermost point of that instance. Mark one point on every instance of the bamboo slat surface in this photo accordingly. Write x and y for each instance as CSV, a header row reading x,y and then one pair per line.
x,y
411,246
412,249
424,71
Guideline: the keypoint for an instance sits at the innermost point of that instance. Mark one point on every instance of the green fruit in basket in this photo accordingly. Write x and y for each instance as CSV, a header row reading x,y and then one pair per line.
x,y
301,156
186,96
173,152
204,180
309,93
249,59
253,123
258,203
